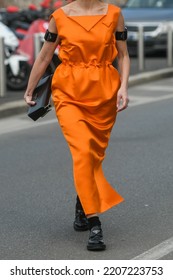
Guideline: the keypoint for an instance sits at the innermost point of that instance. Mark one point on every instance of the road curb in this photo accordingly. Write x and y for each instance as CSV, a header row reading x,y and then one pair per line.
x,y
12,108
150,76
17,107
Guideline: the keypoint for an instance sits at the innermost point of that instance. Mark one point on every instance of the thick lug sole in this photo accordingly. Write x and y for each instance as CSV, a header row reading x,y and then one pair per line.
x,y
83,228
96,247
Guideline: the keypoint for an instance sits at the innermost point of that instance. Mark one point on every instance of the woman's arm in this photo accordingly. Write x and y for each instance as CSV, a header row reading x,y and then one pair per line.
x,y
124,68
41,63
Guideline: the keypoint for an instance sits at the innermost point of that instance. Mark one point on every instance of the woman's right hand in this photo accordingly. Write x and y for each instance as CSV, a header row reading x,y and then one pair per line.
x,y
28,99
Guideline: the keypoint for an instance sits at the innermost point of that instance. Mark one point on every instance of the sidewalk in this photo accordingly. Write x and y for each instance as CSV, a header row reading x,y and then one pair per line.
x,y
13,102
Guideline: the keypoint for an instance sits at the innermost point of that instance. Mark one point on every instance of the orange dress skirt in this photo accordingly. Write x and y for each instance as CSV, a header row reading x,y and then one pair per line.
x,y
84,91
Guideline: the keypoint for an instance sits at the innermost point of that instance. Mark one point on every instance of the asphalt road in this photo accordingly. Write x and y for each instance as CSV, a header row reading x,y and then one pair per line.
x,y
37,193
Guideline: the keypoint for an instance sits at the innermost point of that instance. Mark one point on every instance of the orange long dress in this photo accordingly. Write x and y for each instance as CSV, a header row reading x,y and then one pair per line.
x,y
84,91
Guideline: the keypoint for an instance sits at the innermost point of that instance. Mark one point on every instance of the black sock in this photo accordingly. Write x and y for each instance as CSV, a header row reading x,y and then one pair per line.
x,y
78,204
94,221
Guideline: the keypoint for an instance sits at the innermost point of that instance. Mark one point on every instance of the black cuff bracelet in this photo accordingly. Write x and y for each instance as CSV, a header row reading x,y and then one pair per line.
x,y
49,36
121,35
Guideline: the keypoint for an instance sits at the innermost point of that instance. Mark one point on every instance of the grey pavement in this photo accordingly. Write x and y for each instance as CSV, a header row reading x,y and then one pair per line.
x,y
37,192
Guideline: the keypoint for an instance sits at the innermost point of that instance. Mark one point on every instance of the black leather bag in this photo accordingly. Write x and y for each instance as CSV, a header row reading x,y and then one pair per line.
x,y
41,96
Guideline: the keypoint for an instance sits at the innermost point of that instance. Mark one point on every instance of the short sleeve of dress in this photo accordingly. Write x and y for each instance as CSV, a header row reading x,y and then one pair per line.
x,y
113,16
56,16
116,14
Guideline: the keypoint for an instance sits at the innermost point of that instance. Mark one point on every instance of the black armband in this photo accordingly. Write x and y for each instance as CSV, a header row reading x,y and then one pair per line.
x,y
49,36
121,35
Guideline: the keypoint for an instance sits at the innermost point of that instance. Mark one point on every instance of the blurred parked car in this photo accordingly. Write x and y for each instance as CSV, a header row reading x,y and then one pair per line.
x,y
154,16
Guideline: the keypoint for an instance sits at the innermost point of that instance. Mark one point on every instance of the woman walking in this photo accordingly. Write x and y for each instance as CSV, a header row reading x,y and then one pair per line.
x,y
88,92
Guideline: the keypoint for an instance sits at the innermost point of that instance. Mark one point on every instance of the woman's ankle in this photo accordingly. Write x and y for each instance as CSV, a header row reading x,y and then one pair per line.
x,y
93,221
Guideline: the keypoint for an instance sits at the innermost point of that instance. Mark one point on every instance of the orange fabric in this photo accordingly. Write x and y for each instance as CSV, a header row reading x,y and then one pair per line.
x,y
84,90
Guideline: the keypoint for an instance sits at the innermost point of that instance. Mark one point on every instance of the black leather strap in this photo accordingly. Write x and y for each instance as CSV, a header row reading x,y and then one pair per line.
x,y
121,35
50,37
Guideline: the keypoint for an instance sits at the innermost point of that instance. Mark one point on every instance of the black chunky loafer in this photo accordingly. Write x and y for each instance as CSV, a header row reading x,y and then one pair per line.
x,y
95,242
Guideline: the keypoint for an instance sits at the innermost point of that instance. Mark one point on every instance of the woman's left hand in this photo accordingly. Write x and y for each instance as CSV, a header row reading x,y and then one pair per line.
x,y
122,100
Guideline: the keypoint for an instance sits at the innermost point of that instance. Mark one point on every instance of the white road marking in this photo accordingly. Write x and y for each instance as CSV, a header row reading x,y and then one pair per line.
x,y
161,88
157,252
17,123
11,105
14,124
140,100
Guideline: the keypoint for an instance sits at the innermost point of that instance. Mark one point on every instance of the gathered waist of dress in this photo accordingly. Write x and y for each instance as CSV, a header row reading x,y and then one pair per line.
x,y
86,64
